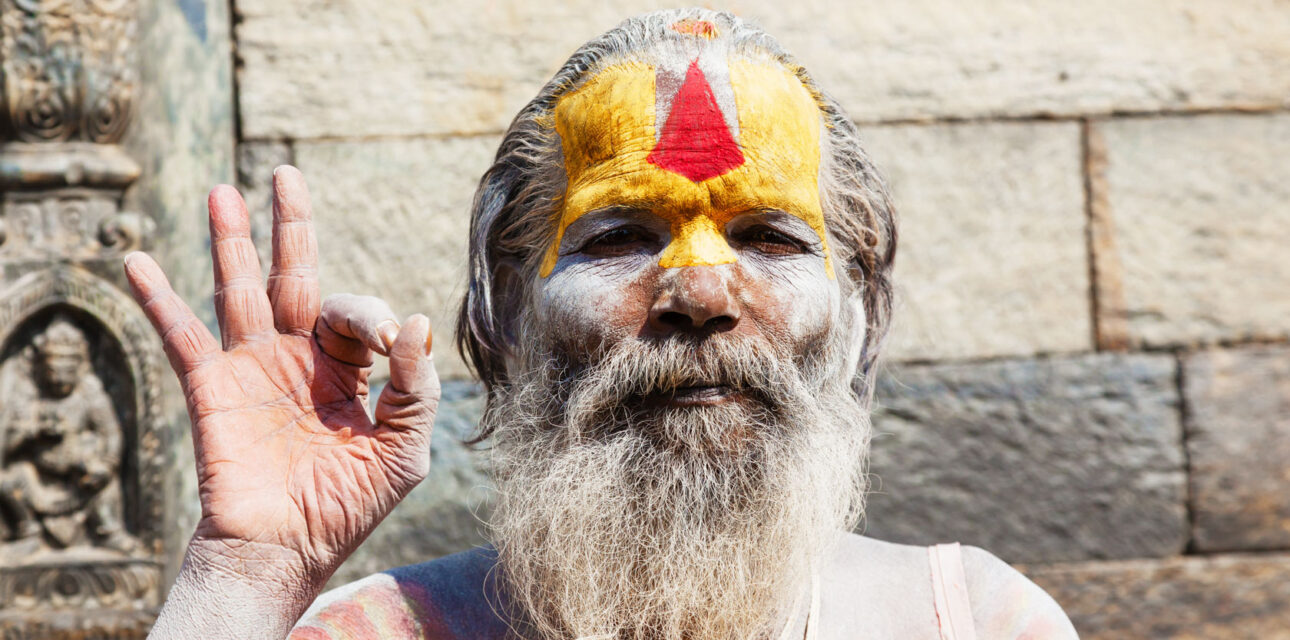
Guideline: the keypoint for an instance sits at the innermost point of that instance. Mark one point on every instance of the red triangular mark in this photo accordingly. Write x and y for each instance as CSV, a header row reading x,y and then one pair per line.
x,y
696,142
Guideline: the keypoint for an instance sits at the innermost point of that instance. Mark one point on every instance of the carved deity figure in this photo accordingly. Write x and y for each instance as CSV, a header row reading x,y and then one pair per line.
x,y
60,449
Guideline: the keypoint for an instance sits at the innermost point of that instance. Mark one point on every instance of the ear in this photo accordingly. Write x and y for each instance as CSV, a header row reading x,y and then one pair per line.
x,y
508,298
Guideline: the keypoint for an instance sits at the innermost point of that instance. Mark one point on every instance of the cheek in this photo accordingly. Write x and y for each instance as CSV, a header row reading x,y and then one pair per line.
x,y
798,304
584,307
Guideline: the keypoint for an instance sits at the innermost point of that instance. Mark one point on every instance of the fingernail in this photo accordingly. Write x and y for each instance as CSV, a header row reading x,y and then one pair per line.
x,y
388,330
429,341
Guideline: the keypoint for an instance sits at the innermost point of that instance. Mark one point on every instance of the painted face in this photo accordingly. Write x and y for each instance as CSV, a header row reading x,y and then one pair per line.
x,y
711,222
736,138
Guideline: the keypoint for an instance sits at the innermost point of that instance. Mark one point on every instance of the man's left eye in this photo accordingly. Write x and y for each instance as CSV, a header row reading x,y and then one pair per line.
x,y
768,240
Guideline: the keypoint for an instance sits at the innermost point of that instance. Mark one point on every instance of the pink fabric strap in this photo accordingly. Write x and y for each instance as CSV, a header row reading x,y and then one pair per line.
x,y
949,593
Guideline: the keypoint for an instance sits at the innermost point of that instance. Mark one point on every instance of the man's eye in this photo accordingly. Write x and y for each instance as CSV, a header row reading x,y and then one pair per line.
x,y
768,240
616,242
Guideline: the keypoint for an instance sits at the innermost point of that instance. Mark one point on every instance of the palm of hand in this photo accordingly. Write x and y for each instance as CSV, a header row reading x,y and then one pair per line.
x,y
286,453
286,448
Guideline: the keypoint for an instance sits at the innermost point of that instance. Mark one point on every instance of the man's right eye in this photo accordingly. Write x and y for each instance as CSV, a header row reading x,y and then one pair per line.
x,y
616,242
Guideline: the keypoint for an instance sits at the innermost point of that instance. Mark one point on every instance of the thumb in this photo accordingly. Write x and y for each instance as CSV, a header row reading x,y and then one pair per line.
x,y
411,398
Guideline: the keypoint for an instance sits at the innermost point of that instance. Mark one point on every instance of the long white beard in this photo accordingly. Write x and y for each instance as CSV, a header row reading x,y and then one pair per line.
x,y
617,520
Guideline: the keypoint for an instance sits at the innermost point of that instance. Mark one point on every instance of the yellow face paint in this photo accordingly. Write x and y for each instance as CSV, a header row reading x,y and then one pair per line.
x,y
698,183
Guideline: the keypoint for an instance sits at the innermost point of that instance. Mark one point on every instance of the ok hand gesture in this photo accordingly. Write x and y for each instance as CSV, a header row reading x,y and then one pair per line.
x,y
292,473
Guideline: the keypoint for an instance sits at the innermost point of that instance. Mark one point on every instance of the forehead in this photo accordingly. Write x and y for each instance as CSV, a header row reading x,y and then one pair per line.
x,y
691,135
697,119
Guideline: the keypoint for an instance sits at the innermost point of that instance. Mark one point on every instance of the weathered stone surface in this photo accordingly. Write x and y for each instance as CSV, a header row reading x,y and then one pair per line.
x,y
1233,596
380,67
1238,440
992,259
182,135
392,219
1199,206
1035,460
444,514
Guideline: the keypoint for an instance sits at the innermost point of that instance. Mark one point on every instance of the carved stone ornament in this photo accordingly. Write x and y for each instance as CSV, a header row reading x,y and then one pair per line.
x,y
82,424
68,72
82,448
69,82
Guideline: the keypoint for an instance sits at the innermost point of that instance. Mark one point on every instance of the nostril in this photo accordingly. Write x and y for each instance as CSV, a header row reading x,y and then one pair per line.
x,y
719,324
674,319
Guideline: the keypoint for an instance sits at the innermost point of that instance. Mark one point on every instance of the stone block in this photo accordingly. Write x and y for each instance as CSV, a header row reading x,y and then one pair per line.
x,y
1238,441
1036,460
382,67
389,67
392,218
1189,598
1199,206
445,513
993,259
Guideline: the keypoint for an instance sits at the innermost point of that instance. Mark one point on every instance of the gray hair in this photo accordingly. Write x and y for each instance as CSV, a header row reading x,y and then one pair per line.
x,y
513,215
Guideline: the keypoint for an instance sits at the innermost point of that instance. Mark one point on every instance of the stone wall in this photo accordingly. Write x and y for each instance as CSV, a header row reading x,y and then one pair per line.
x,y
1085,374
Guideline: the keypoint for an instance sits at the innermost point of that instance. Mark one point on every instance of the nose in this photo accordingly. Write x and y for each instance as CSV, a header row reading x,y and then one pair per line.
x,y
695,300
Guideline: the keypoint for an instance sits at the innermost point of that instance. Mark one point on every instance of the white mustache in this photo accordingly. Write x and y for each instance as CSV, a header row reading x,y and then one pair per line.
x,y
634,371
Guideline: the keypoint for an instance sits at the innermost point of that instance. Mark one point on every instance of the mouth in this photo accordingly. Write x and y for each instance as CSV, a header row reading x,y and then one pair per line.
x,y
704,395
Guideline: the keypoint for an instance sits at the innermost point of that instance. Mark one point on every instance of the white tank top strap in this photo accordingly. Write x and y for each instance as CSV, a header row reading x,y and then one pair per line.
x,y
812,613
949,592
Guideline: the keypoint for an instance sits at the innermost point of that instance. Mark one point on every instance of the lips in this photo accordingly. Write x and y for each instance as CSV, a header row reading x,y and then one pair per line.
x,y
701,395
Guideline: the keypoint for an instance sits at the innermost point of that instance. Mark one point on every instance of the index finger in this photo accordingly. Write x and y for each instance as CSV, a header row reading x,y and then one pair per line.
x,y
293,279
187,341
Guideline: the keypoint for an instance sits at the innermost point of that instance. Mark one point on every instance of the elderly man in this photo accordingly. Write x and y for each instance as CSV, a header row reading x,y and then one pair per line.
x,y
679,269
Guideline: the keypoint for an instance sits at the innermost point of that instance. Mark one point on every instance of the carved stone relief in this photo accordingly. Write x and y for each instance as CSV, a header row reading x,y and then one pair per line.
x,y
82,452
68,71
60,449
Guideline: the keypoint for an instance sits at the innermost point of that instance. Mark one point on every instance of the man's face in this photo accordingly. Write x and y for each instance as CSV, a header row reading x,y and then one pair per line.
x,y
706,220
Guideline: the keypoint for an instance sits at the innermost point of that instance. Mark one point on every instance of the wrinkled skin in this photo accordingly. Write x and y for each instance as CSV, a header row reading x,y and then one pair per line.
x,y
292,473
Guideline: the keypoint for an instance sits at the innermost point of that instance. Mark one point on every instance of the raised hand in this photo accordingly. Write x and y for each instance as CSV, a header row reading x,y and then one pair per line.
x,y
292,473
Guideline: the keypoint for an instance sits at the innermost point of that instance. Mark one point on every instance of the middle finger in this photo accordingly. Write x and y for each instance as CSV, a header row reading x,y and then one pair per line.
x,y
240,300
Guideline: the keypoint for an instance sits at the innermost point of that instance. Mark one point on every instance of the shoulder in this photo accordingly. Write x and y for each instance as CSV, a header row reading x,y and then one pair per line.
x,y
880,586
855,553
438,600
887,587
1006,604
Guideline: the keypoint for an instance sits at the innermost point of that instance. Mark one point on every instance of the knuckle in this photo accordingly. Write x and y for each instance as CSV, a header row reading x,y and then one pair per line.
x,y
333,303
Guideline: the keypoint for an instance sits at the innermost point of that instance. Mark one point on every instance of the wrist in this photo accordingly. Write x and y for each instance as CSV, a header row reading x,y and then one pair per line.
x,y
242,590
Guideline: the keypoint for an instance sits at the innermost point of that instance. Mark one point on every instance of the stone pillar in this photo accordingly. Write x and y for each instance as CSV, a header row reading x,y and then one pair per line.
x,y
83,418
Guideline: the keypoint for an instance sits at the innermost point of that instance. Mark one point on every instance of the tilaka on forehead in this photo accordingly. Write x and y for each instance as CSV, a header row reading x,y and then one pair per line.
x,y
695,142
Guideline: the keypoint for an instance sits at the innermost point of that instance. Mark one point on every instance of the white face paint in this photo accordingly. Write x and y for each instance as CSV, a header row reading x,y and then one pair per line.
x,y
609,279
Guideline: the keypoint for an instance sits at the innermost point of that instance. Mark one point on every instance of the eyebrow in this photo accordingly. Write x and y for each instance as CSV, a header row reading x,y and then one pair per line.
x,y
780,216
